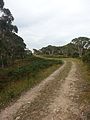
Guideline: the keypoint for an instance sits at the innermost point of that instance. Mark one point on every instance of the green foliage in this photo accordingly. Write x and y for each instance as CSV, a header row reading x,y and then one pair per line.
x,y
15,79
75,55
33,67
86,57
11,45
84,72
10,95
81,44
76,48
63,51
6,20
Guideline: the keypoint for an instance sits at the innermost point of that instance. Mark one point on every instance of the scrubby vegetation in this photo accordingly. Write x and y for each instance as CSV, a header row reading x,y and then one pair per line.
x,y
15,79
86,57
84,72
78,47
19,69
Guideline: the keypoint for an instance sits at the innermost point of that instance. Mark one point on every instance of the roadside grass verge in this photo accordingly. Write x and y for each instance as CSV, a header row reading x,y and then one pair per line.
x,y
84,70
19,78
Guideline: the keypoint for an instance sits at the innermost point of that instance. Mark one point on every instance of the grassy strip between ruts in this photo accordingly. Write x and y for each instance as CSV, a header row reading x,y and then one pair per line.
x,y
19,79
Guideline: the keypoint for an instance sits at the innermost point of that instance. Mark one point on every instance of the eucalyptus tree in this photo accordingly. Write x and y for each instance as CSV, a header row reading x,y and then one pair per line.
x,y
11,45
1,4
36,52
6,20
6,27
81,43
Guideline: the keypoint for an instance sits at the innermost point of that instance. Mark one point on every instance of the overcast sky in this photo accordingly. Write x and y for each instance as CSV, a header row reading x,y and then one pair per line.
x,y
50,22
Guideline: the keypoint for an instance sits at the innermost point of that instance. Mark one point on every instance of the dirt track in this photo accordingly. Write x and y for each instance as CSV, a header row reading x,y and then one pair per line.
x,y
53,99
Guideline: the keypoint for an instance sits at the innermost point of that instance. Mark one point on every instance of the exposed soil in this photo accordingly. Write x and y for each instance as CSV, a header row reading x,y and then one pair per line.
x,y
55,98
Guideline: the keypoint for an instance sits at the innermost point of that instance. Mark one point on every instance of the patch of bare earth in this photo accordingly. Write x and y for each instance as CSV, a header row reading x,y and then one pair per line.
x,y
56,98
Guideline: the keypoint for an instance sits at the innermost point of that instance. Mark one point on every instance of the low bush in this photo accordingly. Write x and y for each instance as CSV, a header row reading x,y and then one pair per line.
x,y
86,57
14,80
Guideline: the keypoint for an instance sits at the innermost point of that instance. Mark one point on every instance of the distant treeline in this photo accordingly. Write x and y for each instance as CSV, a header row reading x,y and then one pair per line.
x,y
12,46
78,47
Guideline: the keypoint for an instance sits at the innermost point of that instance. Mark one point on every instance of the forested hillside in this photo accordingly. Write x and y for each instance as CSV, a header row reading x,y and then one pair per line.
x,y
78,47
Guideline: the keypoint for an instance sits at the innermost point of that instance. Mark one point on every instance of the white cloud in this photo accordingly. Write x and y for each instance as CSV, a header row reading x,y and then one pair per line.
x,y
56,22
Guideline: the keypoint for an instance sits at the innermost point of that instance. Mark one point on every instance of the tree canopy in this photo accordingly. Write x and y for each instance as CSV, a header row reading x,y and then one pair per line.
x,y
6,20
81,43
1,4
78,47
12,46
